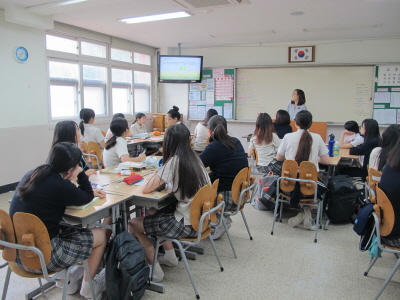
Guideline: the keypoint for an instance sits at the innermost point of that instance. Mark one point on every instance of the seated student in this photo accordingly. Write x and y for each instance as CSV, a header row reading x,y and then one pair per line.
x,y
351,136
372,139
116,150
300,146
45,192
138,126
390,185
266,143
109,133
67,131
378,157
88,131
282,123
173,117
226,157
201,134
184,174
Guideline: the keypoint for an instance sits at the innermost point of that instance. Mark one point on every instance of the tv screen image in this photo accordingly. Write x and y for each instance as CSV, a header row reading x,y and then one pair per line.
x,y
180,68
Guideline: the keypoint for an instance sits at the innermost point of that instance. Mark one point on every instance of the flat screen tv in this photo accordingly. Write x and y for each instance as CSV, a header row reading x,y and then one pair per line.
x,y
180,68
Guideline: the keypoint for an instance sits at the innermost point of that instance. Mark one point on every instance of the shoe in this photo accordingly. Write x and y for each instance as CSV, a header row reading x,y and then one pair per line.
x,y
228,220
293,222
75,275
163,261
99,286
313,226
307,218
219,231
158,274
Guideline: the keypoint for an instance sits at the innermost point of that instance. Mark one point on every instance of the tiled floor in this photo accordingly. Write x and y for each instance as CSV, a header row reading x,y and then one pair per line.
x,y
287,265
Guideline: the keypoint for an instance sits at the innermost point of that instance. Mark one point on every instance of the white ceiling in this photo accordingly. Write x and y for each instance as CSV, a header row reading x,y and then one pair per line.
x,y
261,21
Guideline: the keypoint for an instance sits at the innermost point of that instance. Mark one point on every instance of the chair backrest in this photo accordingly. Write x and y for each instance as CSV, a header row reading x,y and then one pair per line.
x,y
290,169
94,148
386,214
308,171
255,156
241,182
207,141
215,199
85,149
7,234
103,133
374,177
200,204
30,231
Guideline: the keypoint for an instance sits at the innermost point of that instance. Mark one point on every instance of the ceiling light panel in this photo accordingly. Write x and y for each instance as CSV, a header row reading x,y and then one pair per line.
x,y
174,15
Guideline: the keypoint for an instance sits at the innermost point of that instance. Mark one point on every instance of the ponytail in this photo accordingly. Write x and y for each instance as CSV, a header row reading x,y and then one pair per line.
x,y
117,127
111,142
85,114
217,124
82,127
304,148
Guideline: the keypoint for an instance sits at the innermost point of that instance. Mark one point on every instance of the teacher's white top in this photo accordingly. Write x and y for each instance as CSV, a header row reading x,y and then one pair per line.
x,y
293,111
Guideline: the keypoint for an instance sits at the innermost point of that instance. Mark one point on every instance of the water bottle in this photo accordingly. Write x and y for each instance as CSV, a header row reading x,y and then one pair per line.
x,y
331,144
336,149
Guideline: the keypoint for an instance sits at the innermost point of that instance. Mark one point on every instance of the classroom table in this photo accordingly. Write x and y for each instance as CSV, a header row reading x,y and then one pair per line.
x,y
344,157
152,141
248,137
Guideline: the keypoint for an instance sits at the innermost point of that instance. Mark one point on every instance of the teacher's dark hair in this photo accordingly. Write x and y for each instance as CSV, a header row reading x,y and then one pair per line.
x,y
174,113
390,137
304,120
65,131
189,168
62,157
282,117
219,128
210,113
117,127
264,129
302,97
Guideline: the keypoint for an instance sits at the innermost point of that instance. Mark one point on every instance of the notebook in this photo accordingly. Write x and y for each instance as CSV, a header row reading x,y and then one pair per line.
x,y
85,205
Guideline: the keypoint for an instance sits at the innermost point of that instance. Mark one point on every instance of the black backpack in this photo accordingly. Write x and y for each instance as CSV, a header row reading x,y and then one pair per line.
x,y
341,197
127,273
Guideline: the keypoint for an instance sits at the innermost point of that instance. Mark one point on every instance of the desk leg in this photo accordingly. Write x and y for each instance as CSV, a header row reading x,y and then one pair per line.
x,y
155,287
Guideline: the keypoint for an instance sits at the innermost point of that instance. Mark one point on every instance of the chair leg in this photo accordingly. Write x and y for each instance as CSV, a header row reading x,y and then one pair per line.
x,y
396,266
215,251
66,280
247,226
155,258
281,212
318,221
372,262
87,271
275,214
6,282
187,267
229,236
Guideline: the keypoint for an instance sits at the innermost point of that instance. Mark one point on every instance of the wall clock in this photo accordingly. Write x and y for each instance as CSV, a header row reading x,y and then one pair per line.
x,y
21,54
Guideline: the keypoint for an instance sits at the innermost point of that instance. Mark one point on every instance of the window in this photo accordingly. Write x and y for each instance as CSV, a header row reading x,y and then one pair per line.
x,y
94,88
142,85
121,55
64,79
93,49
143,59
122,91
61,44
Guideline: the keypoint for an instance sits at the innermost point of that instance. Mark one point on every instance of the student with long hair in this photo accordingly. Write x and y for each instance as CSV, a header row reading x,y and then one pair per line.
x,y
184,174
67,131
201,134
226,157
300,146
138,126
45,192
265,142
282,123
88,131
390,185
379,155
117,115
174,117
372,139
116,150
351,136
297,103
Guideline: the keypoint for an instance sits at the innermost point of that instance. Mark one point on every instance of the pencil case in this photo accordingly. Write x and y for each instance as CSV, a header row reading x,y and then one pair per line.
x,y
133,179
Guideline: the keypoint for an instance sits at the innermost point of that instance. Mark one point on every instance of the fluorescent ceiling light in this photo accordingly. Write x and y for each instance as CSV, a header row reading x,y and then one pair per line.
x,y
337,28
71,2
174,15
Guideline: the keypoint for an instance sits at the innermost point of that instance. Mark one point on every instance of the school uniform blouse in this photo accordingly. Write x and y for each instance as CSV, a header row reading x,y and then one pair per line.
x,y
390,185
281,130
169,173
50,198
201,133
112,156
374,158
224,163
365,149
138,129
293,111
92,134
266,152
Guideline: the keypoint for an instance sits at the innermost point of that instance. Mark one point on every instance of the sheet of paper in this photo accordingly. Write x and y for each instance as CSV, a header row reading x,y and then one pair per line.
x,y
203,95
194,87
389,75
217,108
194,95
193,112
382,98
201,112
218,73
395,99
228,110
385,116
193,102
210,85
201,102
210,98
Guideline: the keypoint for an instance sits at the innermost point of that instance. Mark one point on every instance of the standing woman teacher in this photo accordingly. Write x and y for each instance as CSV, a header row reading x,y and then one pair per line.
x,y
297,103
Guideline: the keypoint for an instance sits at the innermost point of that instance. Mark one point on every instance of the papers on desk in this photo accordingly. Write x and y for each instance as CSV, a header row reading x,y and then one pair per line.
x,y
85,205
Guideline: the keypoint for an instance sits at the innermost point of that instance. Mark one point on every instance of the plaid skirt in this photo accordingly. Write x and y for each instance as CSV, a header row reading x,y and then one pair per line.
x,y
164,223
274,166
391,242
68,248
229,204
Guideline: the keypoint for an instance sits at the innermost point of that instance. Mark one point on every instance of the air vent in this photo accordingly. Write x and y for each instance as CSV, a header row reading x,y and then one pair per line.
x,y
209,4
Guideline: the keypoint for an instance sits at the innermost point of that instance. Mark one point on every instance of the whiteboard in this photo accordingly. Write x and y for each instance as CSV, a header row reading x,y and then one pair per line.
x,y
333,94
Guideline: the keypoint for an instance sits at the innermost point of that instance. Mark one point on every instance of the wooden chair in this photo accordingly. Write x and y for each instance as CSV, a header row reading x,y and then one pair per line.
x,y
27,234
103,133
373,180
384,218
254,162
243,189
201,214
97,157
307,177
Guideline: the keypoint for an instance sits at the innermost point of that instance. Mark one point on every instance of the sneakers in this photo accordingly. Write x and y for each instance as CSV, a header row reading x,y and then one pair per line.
x,y
99,285
308,223
219,231
158,274
168,262
293,222
74,276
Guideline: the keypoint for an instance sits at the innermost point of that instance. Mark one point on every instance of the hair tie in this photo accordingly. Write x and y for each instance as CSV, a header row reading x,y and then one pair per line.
x,y
82,120
50,166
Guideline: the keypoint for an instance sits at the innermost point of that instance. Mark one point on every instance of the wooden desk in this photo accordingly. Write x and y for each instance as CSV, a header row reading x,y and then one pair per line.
x,y
248,137
335,160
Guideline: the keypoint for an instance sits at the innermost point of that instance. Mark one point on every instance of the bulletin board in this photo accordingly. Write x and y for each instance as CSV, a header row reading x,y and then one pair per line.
x,y
217,91
387,94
